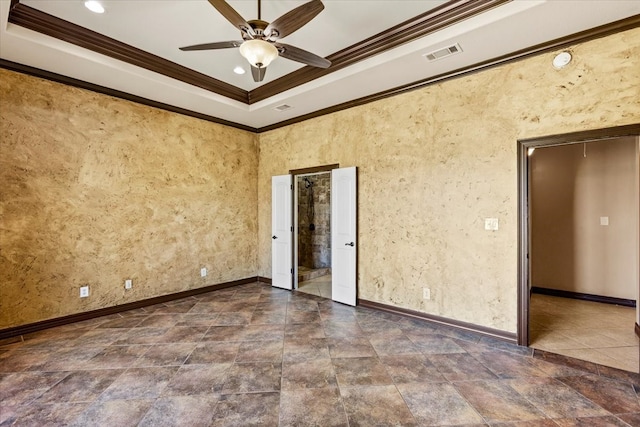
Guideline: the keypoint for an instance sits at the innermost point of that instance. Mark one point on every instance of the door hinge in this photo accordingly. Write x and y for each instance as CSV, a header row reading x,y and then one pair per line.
x,y
291,186
292,271
292,228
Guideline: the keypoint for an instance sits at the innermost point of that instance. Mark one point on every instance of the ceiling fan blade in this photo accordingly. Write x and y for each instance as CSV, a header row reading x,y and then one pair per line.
x,y
300,55
232,16
210,46
293,20
258,73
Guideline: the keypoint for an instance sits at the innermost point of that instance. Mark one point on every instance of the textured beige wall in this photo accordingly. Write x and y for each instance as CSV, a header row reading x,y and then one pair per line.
x,y
94,190
571,250
435,162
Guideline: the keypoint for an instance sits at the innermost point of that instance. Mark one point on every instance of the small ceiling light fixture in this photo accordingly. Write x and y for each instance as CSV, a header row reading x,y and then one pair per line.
x,y
258,52
530,150
94,6
561,60
239,70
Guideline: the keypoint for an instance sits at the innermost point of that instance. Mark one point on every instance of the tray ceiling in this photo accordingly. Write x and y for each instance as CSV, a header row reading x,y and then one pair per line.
x,y
375,46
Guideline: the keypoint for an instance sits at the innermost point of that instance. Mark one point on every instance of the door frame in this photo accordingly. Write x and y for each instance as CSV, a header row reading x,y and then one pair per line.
x,y
295,173
524,272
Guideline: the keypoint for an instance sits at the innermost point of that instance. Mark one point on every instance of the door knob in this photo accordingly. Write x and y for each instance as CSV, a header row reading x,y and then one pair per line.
x,y
350,244
274,237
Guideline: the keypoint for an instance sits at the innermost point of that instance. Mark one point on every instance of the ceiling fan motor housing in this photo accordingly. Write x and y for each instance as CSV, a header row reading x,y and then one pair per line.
x,y
258,26
260,43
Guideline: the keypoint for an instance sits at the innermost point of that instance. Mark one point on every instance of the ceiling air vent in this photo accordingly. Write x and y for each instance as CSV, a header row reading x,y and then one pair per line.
x,y
283,107
443,53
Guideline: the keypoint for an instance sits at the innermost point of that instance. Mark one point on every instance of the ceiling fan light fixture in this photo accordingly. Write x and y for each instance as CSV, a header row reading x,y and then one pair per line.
x,y
259,53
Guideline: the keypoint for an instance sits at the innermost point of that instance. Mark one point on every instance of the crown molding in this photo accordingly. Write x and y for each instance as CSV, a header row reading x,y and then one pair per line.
x,y
560,43
59,78
50,25
447,14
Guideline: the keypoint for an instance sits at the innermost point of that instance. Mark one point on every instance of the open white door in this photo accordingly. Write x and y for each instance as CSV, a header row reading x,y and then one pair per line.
x,y
343,235
281,232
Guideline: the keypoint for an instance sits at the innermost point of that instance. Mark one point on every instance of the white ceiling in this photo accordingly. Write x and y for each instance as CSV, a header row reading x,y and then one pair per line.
x,y
161,27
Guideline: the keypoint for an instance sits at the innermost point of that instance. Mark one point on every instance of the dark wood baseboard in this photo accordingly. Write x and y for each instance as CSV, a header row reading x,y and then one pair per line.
x,y
264,280
637,328
483,330
585,297
78,317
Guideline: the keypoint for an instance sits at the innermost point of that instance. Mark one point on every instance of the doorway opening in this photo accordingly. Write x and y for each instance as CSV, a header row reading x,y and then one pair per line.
x,y
343,230
579,237
313,229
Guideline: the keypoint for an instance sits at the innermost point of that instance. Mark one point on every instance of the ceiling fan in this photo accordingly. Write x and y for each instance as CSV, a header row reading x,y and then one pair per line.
x,y
259,44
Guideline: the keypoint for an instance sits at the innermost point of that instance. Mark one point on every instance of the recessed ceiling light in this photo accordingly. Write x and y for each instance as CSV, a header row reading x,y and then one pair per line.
x,y
239,70
94,6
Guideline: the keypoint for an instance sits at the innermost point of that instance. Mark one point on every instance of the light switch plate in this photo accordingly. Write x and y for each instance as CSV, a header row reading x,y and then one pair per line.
x,y
604,220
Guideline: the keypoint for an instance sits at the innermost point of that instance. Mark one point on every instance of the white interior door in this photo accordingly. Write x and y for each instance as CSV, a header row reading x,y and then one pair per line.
x,y
343,235
281,232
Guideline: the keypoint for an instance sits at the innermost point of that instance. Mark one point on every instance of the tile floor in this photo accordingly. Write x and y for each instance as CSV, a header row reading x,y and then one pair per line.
x,y
257,355
600,333
320,286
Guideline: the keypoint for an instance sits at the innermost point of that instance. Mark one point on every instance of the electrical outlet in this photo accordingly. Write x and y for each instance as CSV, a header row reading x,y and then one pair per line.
x,y
128,284
203,272
426,293
491,224
84,291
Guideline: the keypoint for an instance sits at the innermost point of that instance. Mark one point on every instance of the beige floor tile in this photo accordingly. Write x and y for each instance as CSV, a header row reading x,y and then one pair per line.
x,y
320,286
585,330
622,353
554,340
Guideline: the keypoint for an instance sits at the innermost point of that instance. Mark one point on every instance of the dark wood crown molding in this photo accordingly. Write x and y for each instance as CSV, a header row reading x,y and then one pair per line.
x,y
44,23
563,42
447,14
560,43
436,19
59,78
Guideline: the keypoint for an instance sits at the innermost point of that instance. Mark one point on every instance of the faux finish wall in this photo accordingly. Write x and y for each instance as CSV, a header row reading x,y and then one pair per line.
x,y
433,163
95,190
572,187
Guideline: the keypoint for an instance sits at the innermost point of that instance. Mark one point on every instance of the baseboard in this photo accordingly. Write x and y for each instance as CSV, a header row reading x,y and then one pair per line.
x,y
264,280
584,297
637,328
483,330
78,317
